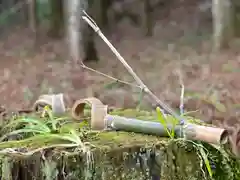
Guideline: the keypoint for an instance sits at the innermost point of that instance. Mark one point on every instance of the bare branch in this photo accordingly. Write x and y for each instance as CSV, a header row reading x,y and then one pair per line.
x,y
94,26
181,105
108,76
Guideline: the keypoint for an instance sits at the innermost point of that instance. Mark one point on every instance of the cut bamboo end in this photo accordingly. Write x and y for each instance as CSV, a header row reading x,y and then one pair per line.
x,y
98,112
207,134
55,101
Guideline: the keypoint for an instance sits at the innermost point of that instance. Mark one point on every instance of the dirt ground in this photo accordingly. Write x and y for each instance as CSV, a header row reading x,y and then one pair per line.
x,y
181,44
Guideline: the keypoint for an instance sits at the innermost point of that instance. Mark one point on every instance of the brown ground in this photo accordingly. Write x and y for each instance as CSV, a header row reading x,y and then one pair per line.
x,y
178,44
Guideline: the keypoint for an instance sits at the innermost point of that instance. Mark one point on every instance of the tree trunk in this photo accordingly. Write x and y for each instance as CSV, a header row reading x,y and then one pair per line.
x,y
147,18
24,12
236,10
72,27
88,46
222,24
33,21
80,36
57,19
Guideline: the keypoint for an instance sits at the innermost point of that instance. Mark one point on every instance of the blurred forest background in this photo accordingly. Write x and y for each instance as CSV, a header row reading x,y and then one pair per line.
x,y
43,42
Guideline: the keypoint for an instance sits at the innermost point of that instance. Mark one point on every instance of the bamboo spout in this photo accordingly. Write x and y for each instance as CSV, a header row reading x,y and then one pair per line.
x,y
207,134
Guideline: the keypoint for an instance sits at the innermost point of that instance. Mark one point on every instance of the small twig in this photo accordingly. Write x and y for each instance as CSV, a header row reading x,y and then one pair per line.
x,y
108,76
181,105
94,26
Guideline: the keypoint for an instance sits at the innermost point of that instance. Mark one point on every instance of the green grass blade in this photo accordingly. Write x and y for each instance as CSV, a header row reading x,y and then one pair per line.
x,y
67,137
51,117
173,129
173,122
37,128
161,118
28,121
20,131
62,118
140,98
49,112
205,159
76,136
31,142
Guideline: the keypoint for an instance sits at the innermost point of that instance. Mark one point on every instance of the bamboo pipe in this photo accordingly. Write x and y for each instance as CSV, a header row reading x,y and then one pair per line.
x,y
100,120
192,132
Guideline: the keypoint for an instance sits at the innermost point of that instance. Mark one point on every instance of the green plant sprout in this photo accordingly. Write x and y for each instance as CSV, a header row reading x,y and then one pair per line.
x,y
165,121
47,128
204,156
47,111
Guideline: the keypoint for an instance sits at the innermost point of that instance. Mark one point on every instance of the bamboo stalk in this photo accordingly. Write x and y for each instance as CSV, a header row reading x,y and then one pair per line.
x,y
192,132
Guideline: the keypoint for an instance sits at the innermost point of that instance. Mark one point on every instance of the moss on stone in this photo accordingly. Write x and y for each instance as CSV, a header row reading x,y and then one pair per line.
x,y
117,155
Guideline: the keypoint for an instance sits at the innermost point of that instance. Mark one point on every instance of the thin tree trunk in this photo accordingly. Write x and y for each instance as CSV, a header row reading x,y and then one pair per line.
x,y
147,18
24,12
73,14
236,11
222,24
89,51
33,21
57,19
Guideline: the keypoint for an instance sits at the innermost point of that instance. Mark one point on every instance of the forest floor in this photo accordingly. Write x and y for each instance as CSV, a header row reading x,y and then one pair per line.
x,y
212,81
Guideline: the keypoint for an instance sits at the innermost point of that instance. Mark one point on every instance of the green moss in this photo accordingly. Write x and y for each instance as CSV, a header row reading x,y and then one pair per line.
x,y
116,155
